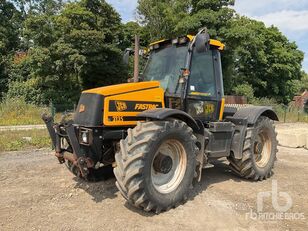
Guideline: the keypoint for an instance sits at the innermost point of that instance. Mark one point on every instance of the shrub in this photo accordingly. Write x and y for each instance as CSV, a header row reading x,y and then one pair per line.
x,y
244,89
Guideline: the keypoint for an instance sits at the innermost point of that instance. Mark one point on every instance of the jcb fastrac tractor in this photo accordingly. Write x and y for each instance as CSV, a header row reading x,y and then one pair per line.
x,y
160,132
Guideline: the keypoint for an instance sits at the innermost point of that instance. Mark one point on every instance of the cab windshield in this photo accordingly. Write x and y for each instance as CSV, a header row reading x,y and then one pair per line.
x,y
164,65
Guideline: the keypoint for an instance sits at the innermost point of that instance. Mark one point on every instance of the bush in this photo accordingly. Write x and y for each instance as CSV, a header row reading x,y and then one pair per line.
x,y
28,90
245,89
264,102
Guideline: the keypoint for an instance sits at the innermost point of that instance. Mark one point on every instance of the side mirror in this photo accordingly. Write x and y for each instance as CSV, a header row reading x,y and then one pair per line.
x,y
127,53
202,42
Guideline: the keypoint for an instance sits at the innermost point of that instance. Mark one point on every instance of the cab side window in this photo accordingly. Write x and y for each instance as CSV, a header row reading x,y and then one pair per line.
x,y
202,76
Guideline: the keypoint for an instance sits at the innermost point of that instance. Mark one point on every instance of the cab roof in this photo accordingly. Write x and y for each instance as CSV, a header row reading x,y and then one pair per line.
x,y
213,42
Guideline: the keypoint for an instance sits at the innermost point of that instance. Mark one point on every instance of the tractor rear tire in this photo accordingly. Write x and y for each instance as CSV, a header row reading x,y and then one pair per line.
x,y
259,151
94,175
156,164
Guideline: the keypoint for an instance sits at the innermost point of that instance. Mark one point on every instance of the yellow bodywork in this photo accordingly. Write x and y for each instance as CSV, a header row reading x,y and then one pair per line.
x,y
213,42
218,44
122,88
222,107
123,102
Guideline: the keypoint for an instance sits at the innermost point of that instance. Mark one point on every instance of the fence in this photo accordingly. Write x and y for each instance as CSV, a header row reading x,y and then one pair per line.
x,y
289,113
57,111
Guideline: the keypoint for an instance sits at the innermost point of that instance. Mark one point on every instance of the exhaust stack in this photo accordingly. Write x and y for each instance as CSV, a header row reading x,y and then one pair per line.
x,y
136,59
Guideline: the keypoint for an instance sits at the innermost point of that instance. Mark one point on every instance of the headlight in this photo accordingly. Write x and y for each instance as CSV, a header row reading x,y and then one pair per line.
x,y
84,137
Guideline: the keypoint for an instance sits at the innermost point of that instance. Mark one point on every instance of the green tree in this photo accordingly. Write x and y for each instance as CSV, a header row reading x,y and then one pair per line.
x,y
48,74
29,7
73,50
9,41
129,30
302,84
160,18
214,14
262,57
165,19
93,27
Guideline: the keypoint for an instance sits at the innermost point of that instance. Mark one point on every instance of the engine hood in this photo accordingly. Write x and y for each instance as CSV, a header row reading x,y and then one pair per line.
x,y
123,88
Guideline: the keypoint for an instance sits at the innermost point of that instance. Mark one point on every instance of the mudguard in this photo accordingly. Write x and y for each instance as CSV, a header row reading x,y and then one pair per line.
x,y
243,118
164,113
254,112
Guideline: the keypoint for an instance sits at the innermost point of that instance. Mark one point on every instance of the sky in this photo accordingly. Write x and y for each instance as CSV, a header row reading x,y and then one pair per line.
x,y
290,16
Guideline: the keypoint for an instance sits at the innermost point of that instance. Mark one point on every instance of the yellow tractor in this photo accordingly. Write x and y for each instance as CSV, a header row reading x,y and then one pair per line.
x,y
160,132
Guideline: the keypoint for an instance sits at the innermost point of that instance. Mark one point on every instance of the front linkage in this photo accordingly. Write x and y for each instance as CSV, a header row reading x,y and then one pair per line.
x,y
72,153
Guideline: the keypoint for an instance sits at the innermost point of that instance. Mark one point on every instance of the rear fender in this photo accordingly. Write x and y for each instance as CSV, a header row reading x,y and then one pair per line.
x,y
243,118
254,112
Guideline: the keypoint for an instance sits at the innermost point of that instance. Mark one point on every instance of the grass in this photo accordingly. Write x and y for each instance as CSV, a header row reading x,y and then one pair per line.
x,y
24,139
291,117
18,112
289,114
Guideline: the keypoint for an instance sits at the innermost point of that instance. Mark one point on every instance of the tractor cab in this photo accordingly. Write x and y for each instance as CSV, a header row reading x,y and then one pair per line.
x,y
191,78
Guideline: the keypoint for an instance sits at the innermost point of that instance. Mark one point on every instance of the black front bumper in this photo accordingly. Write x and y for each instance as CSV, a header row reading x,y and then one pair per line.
x,y
84,155
73,151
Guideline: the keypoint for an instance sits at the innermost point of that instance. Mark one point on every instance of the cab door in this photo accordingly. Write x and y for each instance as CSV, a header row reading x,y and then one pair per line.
x,y
205,87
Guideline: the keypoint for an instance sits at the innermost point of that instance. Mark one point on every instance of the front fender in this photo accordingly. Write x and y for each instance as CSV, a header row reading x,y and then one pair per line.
x,y
164,113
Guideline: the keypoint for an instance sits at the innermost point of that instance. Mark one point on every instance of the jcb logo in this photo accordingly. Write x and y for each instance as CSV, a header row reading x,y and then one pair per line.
x,y
144,106
120,105
209,108
82,108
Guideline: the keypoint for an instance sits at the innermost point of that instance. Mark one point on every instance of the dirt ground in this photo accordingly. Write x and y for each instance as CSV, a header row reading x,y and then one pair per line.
x,y
37,193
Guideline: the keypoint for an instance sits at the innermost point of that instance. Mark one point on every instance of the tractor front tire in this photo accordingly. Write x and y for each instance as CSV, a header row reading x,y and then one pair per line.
x,y
259,151
156,164
94,175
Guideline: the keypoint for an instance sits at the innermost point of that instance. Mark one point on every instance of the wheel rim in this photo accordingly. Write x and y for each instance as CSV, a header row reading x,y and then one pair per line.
x,y
262,148
168,166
